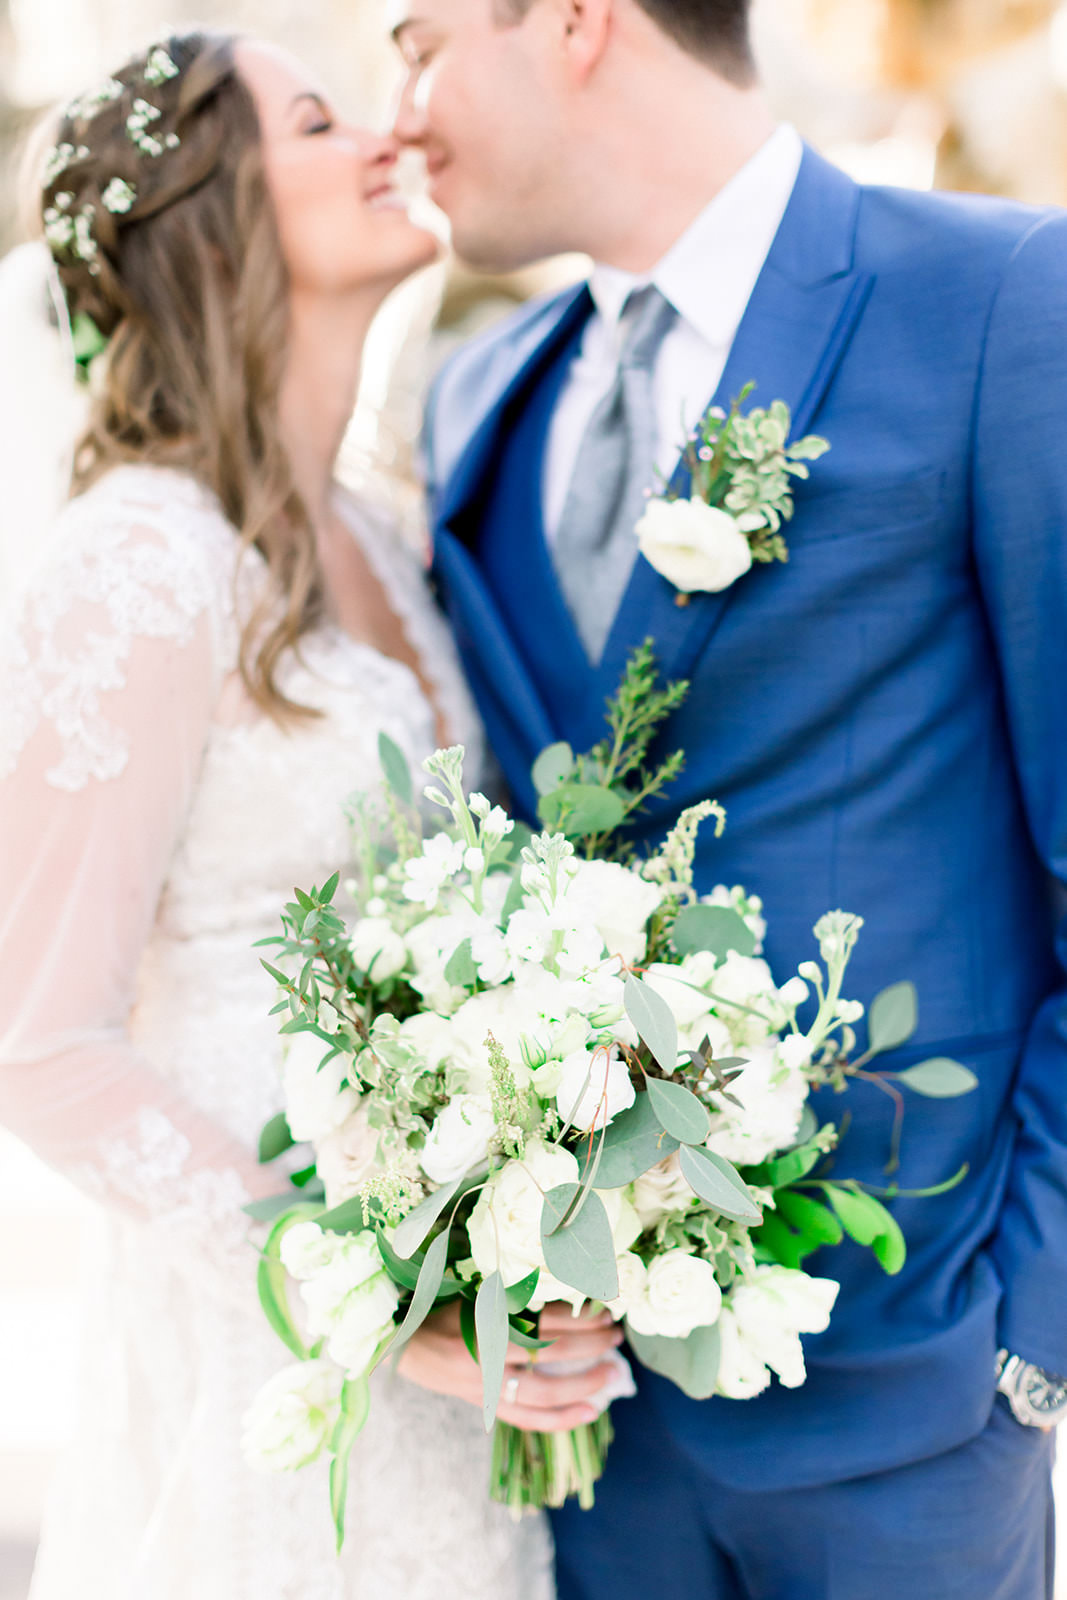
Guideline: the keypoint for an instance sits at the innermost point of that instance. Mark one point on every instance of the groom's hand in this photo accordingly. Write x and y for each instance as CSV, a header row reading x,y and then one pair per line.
x,y
539,1402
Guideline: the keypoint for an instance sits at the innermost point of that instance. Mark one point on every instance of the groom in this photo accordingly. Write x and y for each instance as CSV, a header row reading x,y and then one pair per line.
x,y
884,718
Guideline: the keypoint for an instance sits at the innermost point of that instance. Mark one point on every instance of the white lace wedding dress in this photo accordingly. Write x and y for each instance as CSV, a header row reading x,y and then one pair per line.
x,y
151,826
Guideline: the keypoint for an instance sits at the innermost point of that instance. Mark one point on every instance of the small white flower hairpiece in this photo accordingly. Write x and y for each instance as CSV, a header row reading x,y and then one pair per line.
x,y
159,66
119,197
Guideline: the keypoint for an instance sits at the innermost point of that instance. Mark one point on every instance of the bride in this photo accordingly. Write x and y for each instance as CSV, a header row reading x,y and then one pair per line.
x,y
192,685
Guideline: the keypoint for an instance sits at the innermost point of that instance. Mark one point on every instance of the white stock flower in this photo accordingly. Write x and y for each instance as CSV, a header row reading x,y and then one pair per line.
x,y
426,874
690,1007
292,1417
505,1225
617,903
761,1327
594,1086
660,1192
693,545
459,1137
378,949
316,1101
772,1089
346,1158
679,1294
746,999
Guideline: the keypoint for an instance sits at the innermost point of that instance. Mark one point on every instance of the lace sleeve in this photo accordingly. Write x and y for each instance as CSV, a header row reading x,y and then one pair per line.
x,y
111,672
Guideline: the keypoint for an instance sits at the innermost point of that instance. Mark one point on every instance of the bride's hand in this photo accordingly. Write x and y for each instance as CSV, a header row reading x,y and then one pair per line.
x,y
538,1402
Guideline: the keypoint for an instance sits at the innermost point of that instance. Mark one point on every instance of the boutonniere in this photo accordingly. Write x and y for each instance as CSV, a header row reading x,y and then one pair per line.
x,y
740,469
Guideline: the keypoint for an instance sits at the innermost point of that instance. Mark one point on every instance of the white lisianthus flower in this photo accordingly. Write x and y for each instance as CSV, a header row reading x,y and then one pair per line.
x,y
693,545
679,1294
459,1137
306,1249
367,1318
426,874
316,1101
773,1089
594,1086
768,1311
345,1159
378,949
617,903
292,1417
505,1225
660,1192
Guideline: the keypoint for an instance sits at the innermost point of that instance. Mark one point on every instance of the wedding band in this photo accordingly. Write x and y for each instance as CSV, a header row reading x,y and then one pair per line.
x,y
511,1391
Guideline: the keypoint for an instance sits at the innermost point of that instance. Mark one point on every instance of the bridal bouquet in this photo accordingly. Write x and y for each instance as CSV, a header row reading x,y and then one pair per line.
x,y
531,1068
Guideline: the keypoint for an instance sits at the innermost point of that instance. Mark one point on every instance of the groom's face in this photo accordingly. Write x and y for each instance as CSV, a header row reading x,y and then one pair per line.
x,y
483,99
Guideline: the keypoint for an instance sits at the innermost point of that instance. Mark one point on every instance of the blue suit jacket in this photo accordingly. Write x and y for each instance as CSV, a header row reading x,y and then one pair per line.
x,y
885,720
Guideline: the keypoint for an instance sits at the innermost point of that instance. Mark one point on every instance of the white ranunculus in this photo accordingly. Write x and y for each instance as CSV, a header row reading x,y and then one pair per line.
x,y
769,1310
594,1086
680,1293
346,1159
316,1101
459,1137
617,903
305,1249
378,949
693,545
505,1225
772,1090
660,1192
292,1417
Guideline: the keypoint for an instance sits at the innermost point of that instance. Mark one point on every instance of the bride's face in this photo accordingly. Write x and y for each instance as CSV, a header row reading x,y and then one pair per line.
x,y
342,224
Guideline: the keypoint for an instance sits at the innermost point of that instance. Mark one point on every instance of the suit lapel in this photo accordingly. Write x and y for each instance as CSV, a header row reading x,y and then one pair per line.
x,y
794,332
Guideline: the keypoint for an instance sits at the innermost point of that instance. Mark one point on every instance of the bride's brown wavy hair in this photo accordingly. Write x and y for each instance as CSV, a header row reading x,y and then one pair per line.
x,y
189,286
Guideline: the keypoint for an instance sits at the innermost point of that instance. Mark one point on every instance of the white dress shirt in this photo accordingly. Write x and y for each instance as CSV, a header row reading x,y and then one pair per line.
x,y
708,275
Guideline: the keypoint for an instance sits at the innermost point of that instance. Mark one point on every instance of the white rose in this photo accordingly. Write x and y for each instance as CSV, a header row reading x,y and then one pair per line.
x,y
693,545
305,1249
501,1012
618,904
345,1159
429,1035
316,1102
661,1191
292,1417
505,1225
770,1309
594,1086
772,1089
680,1294
378,949
459,1137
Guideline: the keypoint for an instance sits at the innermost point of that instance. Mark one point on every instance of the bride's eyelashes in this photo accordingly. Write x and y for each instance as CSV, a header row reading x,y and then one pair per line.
x,y
320,127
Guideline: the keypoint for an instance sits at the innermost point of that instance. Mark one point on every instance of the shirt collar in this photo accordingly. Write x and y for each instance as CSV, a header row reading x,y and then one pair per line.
x,y
709,274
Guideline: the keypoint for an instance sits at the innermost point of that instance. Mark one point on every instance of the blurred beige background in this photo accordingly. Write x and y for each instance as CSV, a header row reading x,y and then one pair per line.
x,y
954,93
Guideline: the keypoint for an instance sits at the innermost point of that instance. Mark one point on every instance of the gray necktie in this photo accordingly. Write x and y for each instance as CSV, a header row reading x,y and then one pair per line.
x,y
595,548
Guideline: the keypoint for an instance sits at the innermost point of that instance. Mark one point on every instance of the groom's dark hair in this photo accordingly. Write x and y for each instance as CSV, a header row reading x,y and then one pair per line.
x,y
715,31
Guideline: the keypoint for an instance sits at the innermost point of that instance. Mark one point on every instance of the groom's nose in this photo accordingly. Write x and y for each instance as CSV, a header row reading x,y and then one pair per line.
x,y
409,123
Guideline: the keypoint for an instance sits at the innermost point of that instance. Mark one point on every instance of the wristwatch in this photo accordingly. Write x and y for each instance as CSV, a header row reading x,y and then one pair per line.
x,y
1038,1398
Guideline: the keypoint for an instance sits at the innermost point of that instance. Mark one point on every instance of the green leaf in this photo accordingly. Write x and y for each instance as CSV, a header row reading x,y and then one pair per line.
x,y
526,1341
633,1142
692,1363
466,1327
867,1221
813,1224
269,1209
491,1327
348,1217
275,1139
678,1111
580,809
774,1238
329,889
520,1294
403,1271
272,1282
304,1178
940,1078
716,928
719,1184
395,767
552,768
893,1017
582,1254
355,1409
460,969
783,1170
416,1226
654,1021
891,1248
424,1299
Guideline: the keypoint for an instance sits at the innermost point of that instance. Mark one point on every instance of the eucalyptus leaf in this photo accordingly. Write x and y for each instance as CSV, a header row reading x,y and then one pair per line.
x,y
716,928
552,768
633,1142
692,1363
654,1021
580,809
460,969
491,1327
893,1017
940,1078
395,767
678,1111
425,1297
404,1271
275,1139
416,1226
582,1254
719,1184
348,1217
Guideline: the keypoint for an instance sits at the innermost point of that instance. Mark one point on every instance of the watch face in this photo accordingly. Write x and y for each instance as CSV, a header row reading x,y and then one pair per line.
x,y
1044,1393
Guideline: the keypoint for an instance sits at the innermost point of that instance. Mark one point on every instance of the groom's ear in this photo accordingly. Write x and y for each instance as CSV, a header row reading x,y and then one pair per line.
x,y
585,28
